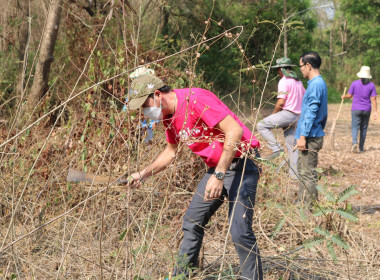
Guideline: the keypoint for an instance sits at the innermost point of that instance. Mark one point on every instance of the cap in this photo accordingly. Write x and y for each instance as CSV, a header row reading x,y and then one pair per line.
x,y
142,70
141,87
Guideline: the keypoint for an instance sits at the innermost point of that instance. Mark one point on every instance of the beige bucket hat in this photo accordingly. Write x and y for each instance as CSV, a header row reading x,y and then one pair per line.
x,y
141,87
364,73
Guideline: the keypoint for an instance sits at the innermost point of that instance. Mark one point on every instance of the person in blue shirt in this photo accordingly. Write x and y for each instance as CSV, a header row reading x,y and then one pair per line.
x,y
309,132
148,126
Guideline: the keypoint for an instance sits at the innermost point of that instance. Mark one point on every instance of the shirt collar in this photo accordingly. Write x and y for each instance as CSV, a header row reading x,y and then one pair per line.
x,y
316,77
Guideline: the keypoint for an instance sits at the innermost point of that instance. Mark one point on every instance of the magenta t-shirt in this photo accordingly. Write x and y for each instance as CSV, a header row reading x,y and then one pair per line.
x,y
197,113
292,91
361,100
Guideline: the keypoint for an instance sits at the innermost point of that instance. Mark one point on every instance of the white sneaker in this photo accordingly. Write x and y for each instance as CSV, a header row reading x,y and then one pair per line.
x,y
355,148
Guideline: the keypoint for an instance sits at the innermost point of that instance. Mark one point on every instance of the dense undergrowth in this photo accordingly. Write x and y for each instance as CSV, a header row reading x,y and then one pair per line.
x,y
65,230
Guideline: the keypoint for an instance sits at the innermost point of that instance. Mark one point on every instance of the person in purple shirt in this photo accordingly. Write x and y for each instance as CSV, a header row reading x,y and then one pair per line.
x,y
362,92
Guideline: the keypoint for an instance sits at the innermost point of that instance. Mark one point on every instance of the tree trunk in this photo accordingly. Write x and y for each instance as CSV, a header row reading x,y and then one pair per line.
x,y
23,39
8,11
41,75
331,49
285,32
343,35
164,20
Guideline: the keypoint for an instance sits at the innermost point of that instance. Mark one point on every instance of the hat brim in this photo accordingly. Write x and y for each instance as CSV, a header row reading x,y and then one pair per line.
x,y
136,103
141,71
363,76
282,66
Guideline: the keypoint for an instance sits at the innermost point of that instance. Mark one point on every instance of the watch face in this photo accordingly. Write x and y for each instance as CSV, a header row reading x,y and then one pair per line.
x,y
219,175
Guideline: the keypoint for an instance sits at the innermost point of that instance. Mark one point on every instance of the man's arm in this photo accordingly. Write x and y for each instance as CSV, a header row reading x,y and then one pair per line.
x,y
279,105
374,106
310,115
233,133
159,164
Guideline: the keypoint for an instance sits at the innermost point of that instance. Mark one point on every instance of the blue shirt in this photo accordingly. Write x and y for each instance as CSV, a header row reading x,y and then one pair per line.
x,y
314,109
146,124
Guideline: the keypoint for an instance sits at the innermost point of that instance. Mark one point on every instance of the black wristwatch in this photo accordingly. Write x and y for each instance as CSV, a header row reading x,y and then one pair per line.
x,y
219,175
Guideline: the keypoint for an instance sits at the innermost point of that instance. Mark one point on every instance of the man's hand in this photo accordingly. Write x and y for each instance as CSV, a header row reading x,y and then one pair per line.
x,y
134,180
374,115
301,143
214,188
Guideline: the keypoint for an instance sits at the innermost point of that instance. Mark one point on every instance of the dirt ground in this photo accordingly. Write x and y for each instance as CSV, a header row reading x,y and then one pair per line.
x,y
360,169
340,166
343,168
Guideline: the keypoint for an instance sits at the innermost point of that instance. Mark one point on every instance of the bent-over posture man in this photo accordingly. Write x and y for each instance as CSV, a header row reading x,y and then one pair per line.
x,y
285,114
309,132
197,118
364,93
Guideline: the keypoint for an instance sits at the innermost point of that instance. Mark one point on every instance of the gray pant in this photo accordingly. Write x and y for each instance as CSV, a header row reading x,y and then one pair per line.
x,y
307,163
200,211
288,122
149,135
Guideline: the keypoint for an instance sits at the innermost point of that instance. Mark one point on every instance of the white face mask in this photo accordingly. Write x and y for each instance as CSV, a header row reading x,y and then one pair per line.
x,y
154,113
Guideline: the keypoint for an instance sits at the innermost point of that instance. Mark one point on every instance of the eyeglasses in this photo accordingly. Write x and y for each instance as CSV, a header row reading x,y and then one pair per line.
x,y
300,66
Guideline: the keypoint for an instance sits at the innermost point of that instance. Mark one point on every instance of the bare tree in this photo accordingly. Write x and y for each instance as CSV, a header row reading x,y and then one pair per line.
x,y
285,32
331,47
23,39
49,37
8,11
15,36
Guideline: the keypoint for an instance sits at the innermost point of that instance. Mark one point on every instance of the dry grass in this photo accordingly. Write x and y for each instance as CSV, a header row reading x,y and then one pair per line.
x,y
54,230
59,225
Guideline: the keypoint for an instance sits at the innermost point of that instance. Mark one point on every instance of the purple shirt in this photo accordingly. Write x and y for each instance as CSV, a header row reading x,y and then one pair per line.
x,y
362,94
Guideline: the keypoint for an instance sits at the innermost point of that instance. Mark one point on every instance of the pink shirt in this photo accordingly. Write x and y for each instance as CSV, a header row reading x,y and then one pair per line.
x,y
194,123
292,91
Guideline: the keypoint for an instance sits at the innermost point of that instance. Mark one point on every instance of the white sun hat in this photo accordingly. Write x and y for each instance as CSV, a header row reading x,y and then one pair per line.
x,y
364,73
141,71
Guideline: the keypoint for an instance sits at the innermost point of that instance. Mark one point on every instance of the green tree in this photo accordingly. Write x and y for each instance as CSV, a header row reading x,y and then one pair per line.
x,y
261,22
363,26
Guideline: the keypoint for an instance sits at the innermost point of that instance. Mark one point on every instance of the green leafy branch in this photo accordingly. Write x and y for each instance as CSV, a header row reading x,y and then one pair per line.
x,y
326,236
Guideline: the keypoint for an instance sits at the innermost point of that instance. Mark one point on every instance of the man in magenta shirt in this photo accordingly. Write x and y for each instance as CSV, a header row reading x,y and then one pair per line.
x,y
285,114
362,92
198,119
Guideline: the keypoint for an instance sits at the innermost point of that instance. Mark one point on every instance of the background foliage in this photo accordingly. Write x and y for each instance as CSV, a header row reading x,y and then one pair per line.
x,y
168,26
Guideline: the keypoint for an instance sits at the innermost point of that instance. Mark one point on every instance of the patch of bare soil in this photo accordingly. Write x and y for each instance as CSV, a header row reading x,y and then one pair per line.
x,y
340,166
360,169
